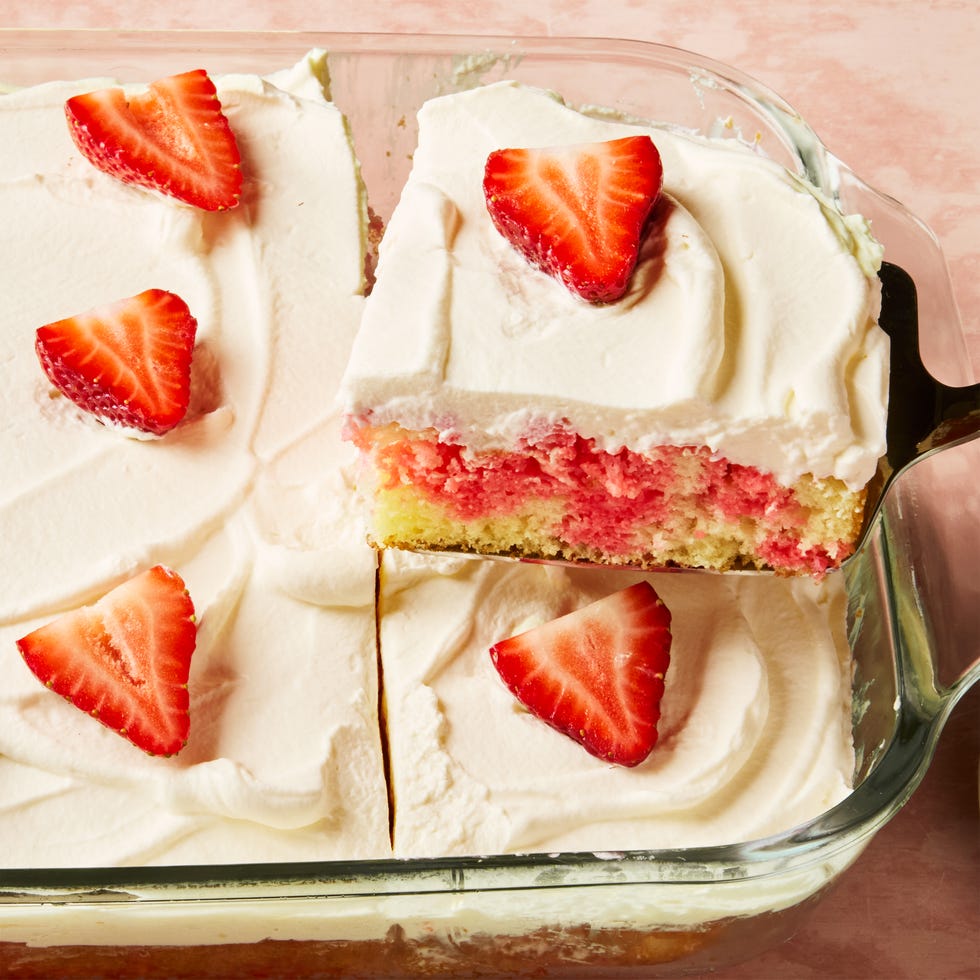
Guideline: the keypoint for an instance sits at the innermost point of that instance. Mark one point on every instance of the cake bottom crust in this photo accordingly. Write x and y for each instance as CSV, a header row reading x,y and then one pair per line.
x,y
590,951
562,498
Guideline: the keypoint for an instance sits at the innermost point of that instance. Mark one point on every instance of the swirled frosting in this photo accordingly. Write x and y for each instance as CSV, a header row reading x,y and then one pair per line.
x,y
754,738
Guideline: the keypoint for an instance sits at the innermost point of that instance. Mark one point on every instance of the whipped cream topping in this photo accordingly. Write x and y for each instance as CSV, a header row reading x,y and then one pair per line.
x,y
749,326
248,498
755,734
251,500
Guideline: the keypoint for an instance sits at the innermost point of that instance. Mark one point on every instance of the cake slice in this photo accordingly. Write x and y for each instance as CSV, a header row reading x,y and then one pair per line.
x,y
754,732
247,496
726,411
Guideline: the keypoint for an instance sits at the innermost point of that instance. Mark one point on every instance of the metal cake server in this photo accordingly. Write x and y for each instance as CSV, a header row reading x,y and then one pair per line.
x,y
924,415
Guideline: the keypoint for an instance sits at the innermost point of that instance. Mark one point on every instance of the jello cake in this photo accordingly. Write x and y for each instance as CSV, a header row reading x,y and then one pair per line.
x,y
223,497
244,493
217,510
698,379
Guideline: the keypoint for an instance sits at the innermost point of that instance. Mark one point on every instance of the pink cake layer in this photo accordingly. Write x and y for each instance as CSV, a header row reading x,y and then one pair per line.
x,y
616,497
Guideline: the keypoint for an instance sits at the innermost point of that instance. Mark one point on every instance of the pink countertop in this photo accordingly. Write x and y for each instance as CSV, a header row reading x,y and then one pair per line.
x,y
891,89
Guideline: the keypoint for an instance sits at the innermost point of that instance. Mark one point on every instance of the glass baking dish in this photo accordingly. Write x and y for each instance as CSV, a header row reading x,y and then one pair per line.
x,y
644,913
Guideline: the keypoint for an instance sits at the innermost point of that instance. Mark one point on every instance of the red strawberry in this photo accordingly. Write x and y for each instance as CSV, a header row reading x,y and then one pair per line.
x,y
125,659
173,138
596,674
578,212
128,362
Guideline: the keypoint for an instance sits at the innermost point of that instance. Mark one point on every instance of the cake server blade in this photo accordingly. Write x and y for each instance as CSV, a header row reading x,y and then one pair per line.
x,y
924,415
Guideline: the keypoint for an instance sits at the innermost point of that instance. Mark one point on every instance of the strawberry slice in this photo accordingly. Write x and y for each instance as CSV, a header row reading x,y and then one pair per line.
x,y
596,674
128,362
173,138
125,659
579,213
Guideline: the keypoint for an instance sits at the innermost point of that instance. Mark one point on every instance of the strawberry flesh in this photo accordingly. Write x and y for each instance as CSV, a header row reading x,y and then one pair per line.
x,y
578,213
125,659
596,674
173,138
127,362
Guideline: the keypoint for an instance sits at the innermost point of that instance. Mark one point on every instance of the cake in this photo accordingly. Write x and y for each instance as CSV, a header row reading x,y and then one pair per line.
x,y
248,497
339,702
727,411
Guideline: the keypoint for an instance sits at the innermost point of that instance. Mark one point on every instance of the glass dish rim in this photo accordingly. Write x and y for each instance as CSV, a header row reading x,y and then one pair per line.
x,y
854,819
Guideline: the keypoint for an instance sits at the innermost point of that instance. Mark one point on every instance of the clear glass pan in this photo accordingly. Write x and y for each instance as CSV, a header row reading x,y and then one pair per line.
x,y
643,913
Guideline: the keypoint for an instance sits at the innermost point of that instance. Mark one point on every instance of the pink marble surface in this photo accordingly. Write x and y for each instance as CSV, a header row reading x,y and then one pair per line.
x,y
891,89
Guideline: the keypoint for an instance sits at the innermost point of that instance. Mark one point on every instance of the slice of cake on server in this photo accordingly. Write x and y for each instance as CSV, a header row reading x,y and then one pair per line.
x,y
596,341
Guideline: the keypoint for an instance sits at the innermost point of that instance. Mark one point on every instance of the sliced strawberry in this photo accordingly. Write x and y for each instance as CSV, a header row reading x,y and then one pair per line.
x,y
596,674
128,362
125,659
579,213
173,138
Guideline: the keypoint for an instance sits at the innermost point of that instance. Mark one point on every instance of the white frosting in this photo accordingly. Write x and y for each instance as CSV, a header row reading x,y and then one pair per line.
x,y
249,498
755,734
749,325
